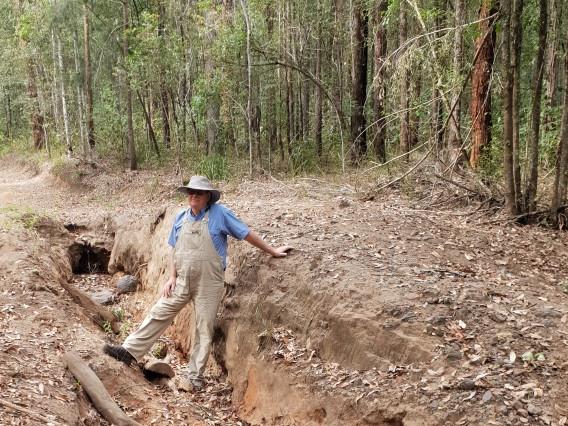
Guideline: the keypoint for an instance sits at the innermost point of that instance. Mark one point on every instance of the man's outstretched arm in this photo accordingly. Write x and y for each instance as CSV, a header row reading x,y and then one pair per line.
x,y
254,239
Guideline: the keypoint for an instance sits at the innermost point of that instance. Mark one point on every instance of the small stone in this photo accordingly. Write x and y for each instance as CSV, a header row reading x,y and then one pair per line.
x,y
343,202
497,317
523,412
453,354
437,320
548,312
486,397
534,410
466,384
127,284
103,297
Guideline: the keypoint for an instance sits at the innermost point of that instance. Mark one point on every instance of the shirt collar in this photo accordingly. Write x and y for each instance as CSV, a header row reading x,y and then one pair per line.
x,y
199,215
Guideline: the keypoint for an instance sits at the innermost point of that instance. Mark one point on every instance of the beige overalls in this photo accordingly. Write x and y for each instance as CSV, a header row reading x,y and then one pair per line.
x,y
200,278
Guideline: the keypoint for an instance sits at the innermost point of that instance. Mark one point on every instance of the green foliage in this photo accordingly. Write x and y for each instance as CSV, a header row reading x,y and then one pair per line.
x,y
551,135
158,350
214,167
125,328
66,171
19,217
490,163
107,327
302,159
118,313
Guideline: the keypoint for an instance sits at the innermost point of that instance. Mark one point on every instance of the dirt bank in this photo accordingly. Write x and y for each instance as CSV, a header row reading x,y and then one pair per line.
x,y
385,313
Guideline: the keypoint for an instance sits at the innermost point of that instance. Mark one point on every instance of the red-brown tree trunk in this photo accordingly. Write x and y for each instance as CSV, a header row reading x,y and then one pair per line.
x,y
480,106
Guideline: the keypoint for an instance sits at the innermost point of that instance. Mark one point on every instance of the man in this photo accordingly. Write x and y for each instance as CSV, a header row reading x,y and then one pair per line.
x,y
199,241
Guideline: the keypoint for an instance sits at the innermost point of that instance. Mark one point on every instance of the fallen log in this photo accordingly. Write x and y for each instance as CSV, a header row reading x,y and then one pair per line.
x,y
98,314
100,397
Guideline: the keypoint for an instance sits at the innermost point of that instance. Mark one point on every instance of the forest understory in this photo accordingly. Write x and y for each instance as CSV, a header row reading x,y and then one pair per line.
x,y
395,307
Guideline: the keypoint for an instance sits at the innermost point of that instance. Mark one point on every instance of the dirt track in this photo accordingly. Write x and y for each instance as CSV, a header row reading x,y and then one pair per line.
x,y
387,313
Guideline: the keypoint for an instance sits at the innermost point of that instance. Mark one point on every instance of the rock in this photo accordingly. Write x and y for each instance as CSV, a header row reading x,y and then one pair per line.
x,y
159,367
486,397
103,297
548,312
437,320
453,353
343,202
534,410
466,384
127,284
497,317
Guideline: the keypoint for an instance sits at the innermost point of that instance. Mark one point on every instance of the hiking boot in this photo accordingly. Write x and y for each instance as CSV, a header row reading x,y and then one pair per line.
x,y
119,353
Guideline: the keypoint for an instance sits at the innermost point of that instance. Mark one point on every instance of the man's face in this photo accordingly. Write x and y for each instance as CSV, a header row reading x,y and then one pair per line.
x,y
197,199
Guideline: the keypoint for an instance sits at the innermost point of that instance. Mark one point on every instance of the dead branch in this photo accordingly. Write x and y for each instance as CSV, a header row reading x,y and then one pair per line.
x,y
98,314
459,185
100,397
30,413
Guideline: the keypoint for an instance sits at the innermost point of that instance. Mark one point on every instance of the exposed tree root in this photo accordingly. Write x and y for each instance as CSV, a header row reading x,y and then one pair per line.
x,y
100,397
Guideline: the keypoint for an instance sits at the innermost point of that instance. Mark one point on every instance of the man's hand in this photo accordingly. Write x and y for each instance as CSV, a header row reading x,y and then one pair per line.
x,y
169,287
281,251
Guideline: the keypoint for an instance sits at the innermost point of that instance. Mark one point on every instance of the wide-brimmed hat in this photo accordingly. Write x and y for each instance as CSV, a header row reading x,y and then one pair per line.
x,y
203,184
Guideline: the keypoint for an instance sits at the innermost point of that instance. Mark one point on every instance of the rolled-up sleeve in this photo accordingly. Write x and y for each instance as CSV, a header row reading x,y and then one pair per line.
x,y
172,239
234,227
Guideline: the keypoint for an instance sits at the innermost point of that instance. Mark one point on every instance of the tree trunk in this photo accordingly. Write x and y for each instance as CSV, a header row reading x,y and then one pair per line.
x,y
508,165
413,118
281,49
319,94
244,6
212,112
480,106
80,96
436,119
534,131
359,36
8,116
517,33
68,142
183,87
379,81
38,131
552,53
289,87
404,85
148,120
54,87
558,197
128,89
454,136
88,79
165,109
